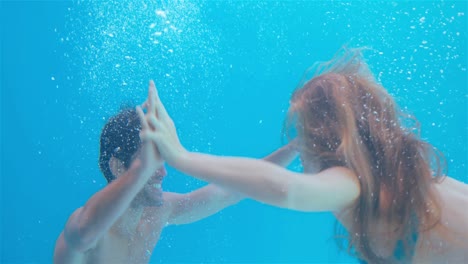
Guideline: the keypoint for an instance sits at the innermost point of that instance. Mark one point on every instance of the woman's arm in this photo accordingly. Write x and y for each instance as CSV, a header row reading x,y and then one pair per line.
x,y
258,179
330,190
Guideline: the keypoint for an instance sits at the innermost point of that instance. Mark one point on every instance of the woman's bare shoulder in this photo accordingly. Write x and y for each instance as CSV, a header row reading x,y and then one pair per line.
x,y
453,196
452,185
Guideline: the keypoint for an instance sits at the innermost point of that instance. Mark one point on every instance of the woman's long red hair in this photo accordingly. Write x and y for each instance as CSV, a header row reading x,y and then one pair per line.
x,y
345,118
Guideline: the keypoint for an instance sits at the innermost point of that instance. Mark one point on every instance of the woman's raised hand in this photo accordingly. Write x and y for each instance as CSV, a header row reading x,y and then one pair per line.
x,y
162,130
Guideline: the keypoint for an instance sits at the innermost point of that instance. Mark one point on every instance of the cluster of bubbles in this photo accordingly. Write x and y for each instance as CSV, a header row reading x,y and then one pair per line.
x,y
120,45
417,42
116,47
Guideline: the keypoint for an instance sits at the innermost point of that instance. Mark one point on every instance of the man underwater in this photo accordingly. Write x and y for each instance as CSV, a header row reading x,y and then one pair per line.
x,y
122,222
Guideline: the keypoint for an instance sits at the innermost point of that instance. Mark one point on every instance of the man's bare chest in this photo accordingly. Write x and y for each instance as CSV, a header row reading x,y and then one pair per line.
x,y
124,246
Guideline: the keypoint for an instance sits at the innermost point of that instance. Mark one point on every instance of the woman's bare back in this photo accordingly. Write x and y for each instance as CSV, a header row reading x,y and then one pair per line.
x,y
445,243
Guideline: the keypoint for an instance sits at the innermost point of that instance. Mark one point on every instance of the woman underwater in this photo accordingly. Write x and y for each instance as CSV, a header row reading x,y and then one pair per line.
x,y
394,201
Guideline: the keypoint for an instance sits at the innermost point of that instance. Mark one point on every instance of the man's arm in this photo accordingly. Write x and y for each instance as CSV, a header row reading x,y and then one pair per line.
x,y
89,223
206,201
284,155
199,204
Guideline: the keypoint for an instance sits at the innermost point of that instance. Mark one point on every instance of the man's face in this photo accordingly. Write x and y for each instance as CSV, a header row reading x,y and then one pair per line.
x,y
152,191
151,194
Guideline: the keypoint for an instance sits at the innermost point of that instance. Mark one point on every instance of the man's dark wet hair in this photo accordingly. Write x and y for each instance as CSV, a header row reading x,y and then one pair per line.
x,y
120,139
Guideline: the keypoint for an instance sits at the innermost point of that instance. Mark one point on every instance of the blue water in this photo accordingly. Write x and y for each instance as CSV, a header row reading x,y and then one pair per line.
x,y
225,71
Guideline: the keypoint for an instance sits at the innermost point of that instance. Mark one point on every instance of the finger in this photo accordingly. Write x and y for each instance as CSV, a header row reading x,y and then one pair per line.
x,y
147,103
141,115
144,136
144,105
152,95
155,123
159,107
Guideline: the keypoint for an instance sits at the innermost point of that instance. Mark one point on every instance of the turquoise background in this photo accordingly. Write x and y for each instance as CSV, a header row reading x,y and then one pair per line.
x,y
225,70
